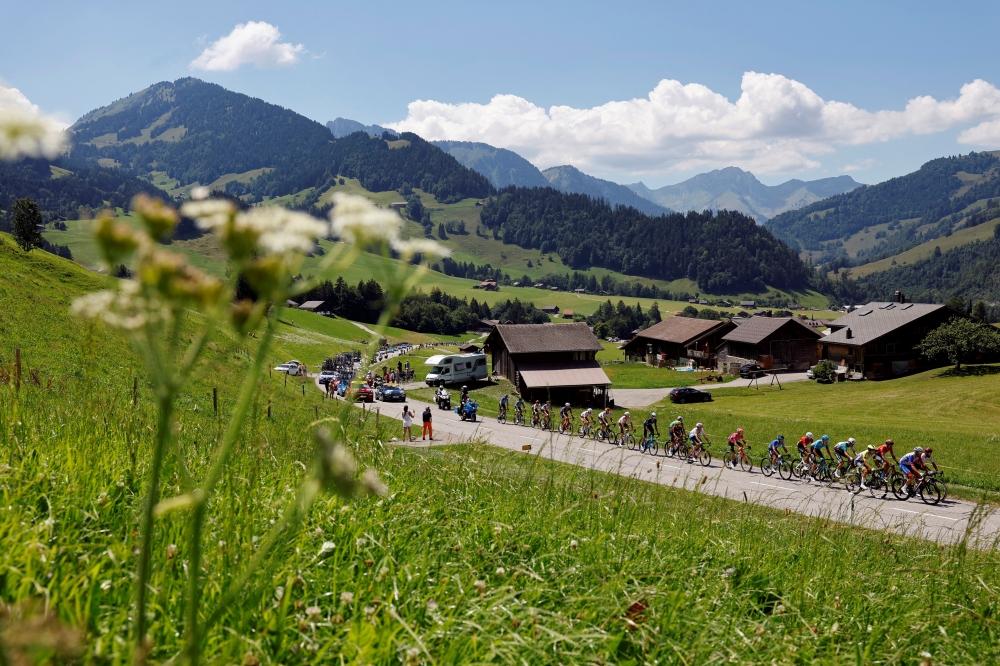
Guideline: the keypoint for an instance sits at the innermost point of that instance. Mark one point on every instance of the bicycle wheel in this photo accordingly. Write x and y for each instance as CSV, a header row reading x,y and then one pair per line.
x,y
931,492
853,481
727,459
785,470
746,464
766,466
502,418
629,441
877,487
705,458
896,485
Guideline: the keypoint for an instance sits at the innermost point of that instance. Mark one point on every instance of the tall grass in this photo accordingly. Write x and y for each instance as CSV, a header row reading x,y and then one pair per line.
x,y
477,555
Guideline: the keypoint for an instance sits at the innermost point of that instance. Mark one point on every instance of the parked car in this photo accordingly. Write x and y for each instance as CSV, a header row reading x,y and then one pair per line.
x,y
751,370
809,372
326,377
293,368
390,393
682,395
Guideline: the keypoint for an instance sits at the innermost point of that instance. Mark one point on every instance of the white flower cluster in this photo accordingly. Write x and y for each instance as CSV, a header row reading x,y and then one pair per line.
x,y
357,220
272,229
123,309
26,134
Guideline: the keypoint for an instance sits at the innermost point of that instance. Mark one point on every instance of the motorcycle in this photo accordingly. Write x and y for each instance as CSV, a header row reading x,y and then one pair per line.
x,y
467,412
443,399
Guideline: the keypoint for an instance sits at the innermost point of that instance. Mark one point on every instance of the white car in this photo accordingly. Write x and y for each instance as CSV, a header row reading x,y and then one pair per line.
x,y
293,368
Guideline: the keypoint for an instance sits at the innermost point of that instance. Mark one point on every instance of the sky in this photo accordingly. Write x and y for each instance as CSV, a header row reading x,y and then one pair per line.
x,y
626,91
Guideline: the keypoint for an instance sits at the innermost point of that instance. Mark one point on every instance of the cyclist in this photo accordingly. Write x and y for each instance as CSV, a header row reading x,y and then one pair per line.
x,y
503,405
624,425
648,428
736,440
816,452
676,431
926,458
546,414
910,464
605,420
567,416
586,417
804,445
519,410
861,462
536,413
773,447
697,438
881,456
840,451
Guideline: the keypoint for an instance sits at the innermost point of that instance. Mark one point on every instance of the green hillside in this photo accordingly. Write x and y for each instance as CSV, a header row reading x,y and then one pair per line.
x,y
475,555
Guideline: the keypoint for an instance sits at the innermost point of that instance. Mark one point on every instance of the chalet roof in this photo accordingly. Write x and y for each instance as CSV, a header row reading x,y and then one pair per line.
x,y
757,329
540,338
679,330
875,320
563,373
312,305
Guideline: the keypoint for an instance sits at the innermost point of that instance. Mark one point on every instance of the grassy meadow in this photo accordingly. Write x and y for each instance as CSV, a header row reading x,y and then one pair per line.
x,y
476,555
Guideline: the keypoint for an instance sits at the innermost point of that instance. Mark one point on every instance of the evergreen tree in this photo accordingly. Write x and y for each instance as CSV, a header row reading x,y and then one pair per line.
x,y
26,223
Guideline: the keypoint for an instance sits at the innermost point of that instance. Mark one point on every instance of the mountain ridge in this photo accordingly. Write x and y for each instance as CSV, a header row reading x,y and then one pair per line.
x,y
733,188
569,179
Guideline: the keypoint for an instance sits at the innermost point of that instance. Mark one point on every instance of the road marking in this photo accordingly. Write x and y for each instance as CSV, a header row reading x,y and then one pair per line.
x,y
769,485
921,513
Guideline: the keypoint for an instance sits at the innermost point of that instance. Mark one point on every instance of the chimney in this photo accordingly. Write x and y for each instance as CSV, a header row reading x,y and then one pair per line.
x,y
899,297
849,334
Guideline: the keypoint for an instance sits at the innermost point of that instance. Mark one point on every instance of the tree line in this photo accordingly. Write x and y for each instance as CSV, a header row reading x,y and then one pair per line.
x,y
724,251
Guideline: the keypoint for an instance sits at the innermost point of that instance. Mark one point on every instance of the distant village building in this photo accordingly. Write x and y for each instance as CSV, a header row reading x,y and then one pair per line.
x,y
550,309
398,204
488,285
567,314
748,304
676,340
550,362
484,326
314,306
879,339
778,343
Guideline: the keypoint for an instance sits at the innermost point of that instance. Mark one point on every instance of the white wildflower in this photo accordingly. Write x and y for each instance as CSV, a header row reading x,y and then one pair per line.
x,y
347,598
501,571
24,131
200,193
358,220
326,548
313,613
422,246
283,230
209,214
106,585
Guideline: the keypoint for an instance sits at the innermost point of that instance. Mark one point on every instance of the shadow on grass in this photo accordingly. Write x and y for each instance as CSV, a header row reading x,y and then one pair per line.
x,y
972,371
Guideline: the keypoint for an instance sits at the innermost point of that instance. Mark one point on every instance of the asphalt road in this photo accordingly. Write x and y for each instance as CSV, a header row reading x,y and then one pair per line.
x,y
946,522
635,398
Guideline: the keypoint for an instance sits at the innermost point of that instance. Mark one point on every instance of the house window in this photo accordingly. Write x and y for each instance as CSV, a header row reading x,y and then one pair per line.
x,y
872,348
890,348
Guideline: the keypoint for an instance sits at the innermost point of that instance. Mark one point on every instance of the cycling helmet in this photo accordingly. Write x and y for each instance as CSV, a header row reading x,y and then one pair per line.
x,y
889,443
607,409
781,438
928,450
871,447
465,388
809,435
852,441
567,404
918,449
653,415
739,431
698,425
825,438
680,419
627,414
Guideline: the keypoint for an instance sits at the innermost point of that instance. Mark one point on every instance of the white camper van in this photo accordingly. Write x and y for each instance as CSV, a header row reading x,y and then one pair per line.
x,y
456,369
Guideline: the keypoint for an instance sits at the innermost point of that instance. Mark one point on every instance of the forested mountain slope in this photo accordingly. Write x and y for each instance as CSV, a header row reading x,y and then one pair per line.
x,y
197,132
914,208
503,167
572,180
726,252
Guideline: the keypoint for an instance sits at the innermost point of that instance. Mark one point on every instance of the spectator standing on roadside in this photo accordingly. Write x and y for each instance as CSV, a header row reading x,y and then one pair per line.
x,y
407,424
428,430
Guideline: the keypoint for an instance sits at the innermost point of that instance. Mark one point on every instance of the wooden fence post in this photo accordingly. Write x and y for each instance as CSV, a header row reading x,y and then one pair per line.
x,y
268,409
303,390
215,399
135,391
377,412
316,407
17,368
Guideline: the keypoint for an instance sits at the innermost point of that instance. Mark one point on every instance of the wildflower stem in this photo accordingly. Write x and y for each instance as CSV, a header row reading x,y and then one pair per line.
x,y
166,408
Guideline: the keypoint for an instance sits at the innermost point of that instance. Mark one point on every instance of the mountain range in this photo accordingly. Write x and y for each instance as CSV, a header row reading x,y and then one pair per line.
x,y
342,127
733,188
505,168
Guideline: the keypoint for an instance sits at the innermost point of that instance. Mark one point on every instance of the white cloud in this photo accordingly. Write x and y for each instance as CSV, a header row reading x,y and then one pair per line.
x,y
777,125
253,43
861,165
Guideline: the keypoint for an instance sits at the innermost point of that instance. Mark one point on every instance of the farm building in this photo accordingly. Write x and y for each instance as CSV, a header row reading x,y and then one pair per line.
x,y
878,339
550,362
484,325
779,343
314,306
675,340
567,314
550,309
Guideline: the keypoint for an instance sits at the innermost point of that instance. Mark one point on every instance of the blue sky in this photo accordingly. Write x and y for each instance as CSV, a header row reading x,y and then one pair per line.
x,y
370,61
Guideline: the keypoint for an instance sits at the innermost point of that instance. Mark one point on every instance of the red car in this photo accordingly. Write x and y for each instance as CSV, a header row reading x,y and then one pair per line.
x,y
363,393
